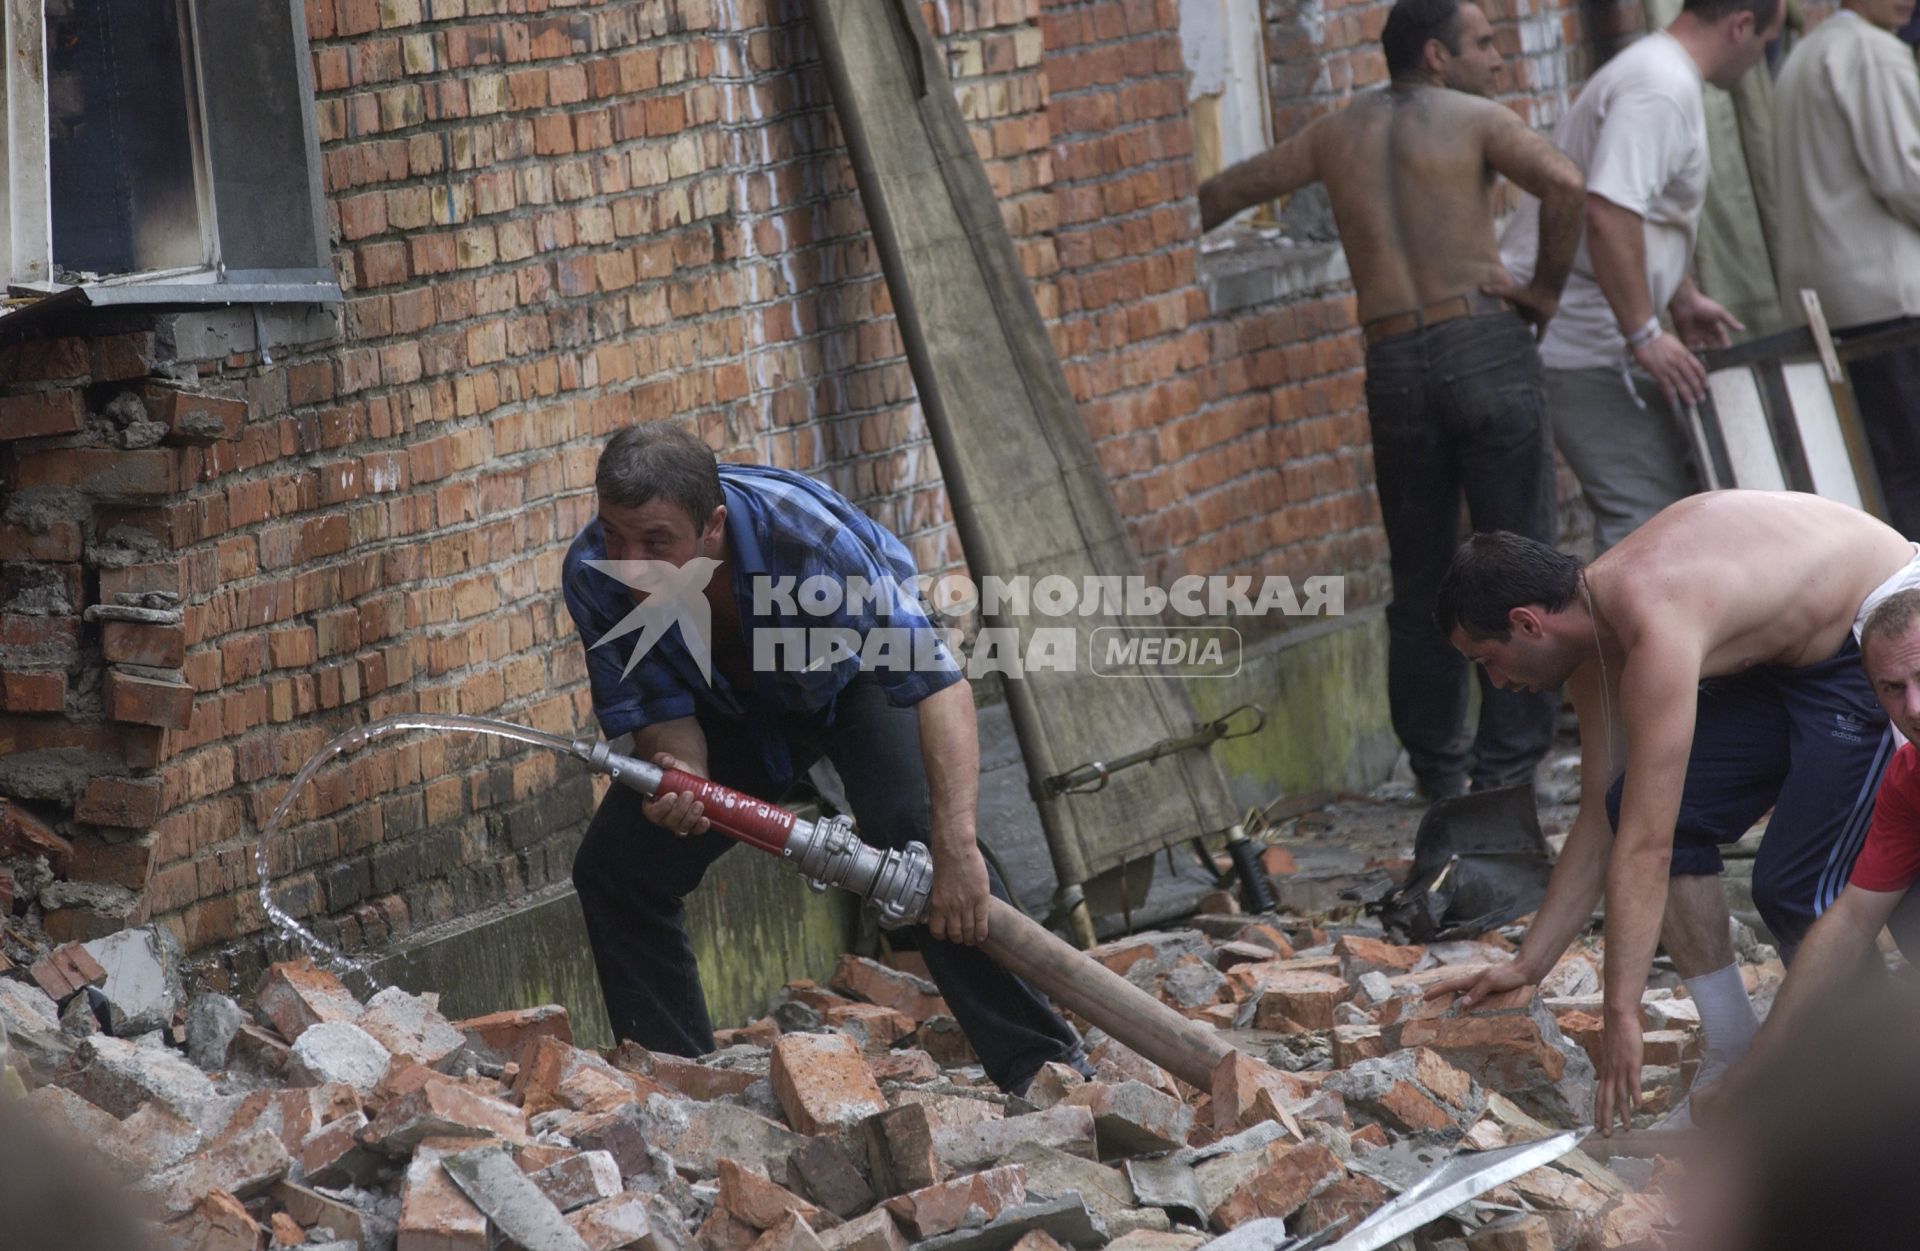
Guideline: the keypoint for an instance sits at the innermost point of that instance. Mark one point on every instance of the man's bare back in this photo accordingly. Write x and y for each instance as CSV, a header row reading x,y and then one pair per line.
x,y
1411,171
1411,182
1753,577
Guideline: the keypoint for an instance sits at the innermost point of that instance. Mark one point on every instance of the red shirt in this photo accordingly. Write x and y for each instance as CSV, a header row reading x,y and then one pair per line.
x,y
1890,860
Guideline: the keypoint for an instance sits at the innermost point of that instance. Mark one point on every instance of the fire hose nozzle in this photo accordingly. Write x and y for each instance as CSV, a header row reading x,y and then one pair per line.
x,y
629,771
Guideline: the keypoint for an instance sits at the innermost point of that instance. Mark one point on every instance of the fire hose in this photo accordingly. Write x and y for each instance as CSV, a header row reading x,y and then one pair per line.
x,y
898,885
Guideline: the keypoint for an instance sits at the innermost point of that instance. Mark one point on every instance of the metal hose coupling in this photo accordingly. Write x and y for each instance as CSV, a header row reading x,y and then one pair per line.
x,y
897,884
641,775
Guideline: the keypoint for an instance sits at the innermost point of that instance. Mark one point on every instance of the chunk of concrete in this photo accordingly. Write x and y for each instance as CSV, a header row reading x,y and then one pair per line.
x,y
142,986
699,1135
31,1022
1065,1127
213,1021
514,1202
1132,1118
580,1179
119,1075
411,1026
245,1167
338,1051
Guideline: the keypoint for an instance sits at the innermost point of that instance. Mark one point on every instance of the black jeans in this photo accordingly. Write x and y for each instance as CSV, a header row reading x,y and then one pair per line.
x,y
1457,408
633,876
1886,389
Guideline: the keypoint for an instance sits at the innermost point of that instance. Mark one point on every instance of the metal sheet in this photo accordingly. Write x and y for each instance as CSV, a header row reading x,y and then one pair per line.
x,y
1451,1184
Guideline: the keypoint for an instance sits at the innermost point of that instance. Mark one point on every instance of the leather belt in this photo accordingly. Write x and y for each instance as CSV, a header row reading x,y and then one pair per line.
x,y
1470,304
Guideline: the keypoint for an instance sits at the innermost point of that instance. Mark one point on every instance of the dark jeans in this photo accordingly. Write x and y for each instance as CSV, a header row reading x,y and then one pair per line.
x,y
1808,743
1886,389
633,876
1457,408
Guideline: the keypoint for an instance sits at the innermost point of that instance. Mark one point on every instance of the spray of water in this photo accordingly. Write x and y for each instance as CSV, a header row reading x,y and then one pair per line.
x,y
353,740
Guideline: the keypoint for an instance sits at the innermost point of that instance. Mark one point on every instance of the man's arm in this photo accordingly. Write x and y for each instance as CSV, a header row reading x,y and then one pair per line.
x,y
1578,876
1534,165
1617,242
1280,169
1828,962
676,744
1700,322
950,748
1658,692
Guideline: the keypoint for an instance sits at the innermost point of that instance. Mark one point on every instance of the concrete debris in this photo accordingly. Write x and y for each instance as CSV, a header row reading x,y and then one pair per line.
x,y
142,978
339,1051
308,1118
213,1020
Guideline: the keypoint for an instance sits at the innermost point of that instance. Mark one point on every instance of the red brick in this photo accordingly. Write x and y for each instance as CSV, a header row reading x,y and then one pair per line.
x,y
66,971
140,643
130,803
755,1201
822,1082
1360,955
43,690
192,417
148,701
100,471
1289,1174
876,983
43,360
56,541
511,1033
41,413
116,358
22,833
295,996
969,1200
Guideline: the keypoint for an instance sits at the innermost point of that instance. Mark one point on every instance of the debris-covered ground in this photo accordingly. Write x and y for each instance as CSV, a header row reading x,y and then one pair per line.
x,y
851,1117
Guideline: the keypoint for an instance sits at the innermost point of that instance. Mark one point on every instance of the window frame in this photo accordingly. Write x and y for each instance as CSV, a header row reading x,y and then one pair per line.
x,y
26,209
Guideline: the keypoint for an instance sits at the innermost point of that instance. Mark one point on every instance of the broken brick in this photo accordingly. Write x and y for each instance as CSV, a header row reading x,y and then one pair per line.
x,y
973,1199
1288,1174
822,1082
874,982
444,1109
66,971
509,1034
295,995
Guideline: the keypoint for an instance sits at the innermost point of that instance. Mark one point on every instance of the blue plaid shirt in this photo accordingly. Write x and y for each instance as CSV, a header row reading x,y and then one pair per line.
x,y
779,525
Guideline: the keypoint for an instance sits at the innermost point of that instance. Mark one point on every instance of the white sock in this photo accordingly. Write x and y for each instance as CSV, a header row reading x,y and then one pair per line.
x,y
1726,1016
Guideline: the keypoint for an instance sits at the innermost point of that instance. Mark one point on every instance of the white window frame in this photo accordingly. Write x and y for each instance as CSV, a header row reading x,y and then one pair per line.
x,y
304,275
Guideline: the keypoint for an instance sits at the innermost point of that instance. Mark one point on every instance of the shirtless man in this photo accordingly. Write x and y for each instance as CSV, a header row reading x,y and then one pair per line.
x,y
1712,659
1455,397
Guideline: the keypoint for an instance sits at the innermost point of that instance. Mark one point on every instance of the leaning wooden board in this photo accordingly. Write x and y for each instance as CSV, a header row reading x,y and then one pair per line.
x,y
1028,493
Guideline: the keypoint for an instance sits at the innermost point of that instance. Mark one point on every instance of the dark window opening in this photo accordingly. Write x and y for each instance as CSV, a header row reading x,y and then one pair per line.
x,y
124,152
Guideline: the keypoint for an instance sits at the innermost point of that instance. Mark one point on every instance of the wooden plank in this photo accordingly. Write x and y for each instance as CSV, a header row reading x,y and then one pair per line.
x,y
1030,498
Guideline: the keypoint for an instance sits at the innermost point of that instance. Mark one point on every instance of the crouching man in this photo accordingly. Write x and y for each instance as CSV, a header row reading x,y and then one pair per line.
x,y
675,588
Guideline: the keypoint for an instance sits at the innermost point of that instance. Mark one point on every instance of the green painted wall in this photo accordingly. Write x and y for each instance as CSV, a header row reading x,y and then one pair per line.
x,y
1325,691
754,926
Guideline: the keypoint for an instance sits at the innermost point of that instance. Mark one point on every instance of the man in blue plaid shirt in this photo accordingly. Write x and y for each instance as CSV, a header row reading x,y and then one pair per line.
x,y
754,564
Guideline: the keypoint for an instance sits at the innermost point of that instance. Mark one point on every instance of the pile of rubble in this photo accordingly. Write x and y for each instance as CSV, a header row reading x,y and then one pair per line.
x,y
851,1118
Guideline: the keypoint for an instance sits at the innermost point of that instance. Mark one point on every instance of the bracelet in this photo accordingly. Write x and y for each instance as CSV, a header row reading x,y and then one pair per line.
x,y
1646,334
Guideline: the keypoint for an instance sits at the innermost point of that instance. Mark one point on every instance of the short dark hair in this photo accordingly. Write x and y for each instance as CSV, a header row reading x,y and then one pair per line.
x,y
1714,10
1494,573
1410,24
659,460
1891,618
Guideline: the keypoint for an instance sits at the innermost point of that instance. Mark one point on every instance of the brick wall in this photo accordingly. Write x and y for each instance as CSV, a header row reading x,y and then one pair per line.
x,y
551,221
